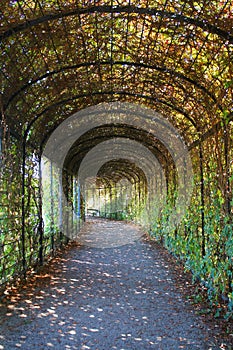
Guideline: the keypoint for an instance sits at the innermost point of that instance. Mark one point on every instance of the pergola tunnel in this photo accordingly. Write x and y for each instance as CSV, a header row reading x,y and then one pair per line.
x,y
108,171
117,194
118,110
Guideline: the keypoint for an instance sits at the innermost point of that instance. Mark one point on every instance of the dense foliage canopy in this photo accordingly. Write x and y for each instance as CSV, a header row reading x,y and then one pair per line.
x,y
59,57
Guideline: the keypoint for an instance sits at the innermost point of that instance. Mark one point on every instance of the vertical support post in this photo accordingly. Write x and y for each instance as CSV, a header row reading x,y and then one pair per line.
x,y
23,221
145,193
68,200
105,199
83,203
75,195
94,198
71,180
75,205
121,198
114,200
99,205
2,130
78,203
51,207
60,202
0,146
79,200
139,198
227,170
110,195
227,198
41,229
135,195
202,200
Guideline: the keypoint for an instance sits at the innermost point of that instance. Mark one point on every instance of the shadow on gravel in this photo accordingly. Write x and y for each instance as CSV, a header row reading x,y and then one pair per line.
x,y
123,297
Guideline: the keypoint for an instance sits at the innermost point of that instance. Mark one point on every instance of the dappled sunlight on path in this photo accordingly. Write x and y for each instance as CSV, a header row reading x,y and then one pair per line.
x,y
123,297
103,233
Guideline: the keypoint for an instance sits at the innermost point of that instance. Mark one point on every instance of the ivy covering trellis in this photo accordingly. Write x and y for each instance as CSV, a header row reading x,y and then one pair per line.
x,y
175,57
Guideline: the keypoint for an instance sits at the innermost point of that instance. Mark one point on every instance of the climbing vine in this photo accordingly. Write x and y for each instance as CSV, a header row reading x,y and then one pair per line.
x,y
214,268
175,57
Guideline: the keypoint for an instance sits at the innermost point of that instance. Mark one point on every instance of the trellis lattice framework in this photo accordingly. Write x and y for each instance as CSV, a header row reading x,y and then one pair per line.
x,y
60,57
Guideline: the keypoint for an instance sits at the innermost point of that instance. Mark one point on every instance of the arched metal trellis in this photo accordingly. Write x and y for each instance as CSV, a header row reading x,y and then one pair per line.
x,y
59,57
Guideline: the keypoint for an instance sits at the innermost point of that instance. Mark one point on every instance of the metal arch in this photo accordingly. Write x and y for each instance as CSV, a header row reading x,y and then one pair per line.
x,y
200,139
215,128
97,162
113,171
130,167
100,93
47,135
128,129
24,163
112,178
107,182
25,135
119,9
75,170
26,132
121,63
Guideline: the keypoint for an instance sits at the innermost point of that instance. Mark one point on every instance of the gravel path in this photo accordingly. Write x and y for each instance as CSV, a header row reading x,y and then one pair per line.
x,y
123,297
